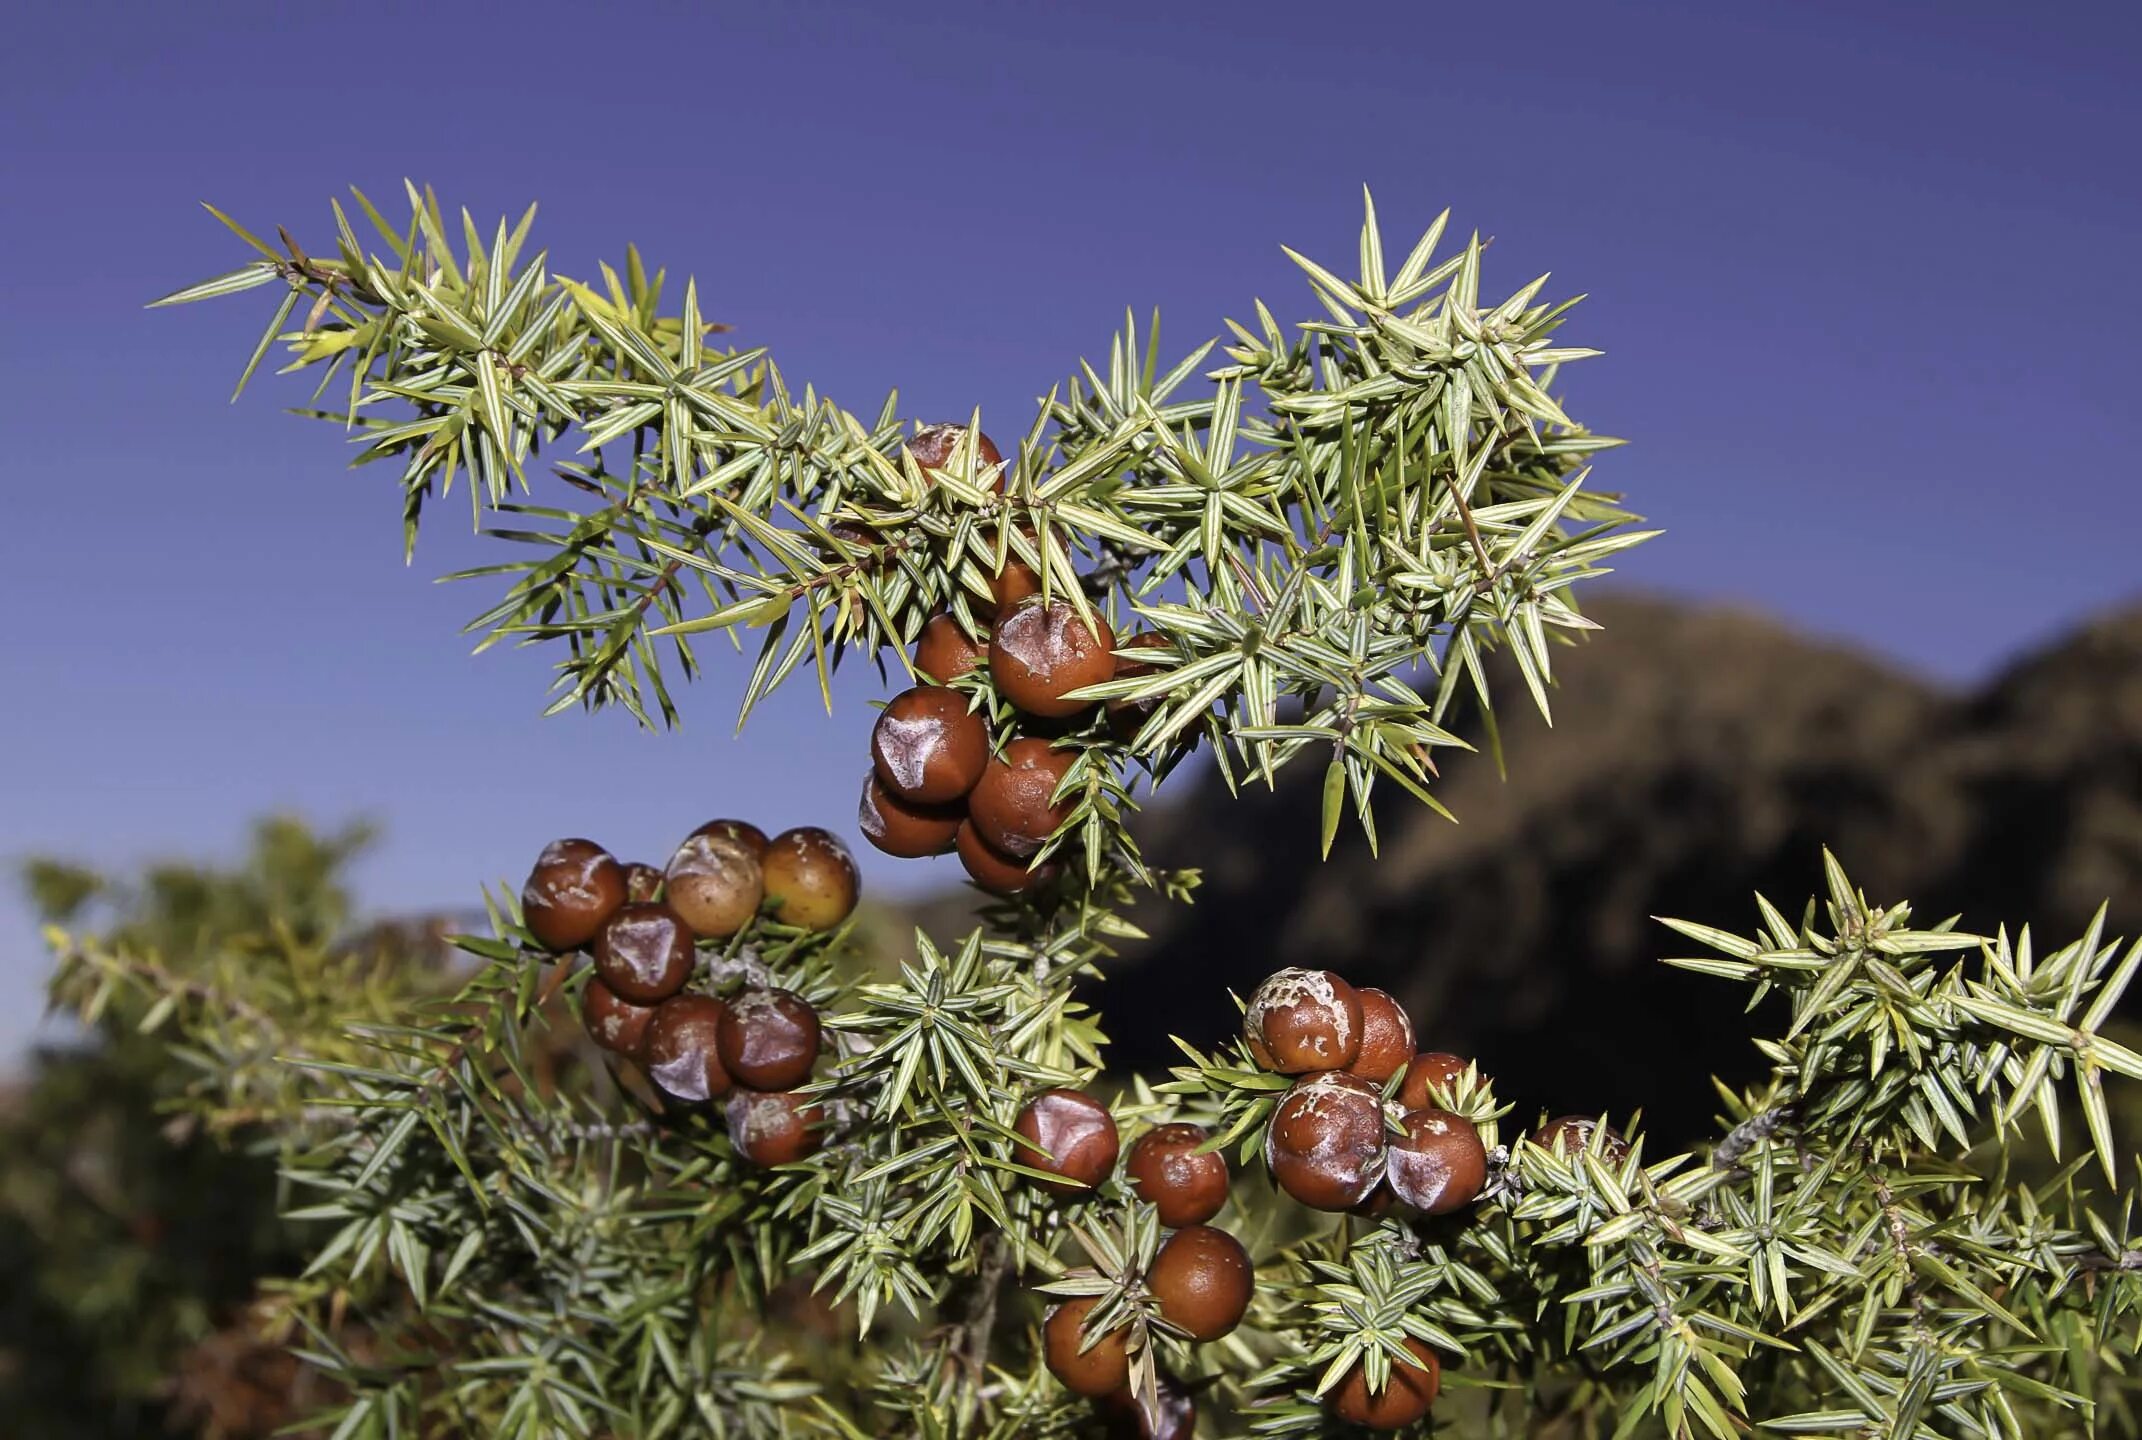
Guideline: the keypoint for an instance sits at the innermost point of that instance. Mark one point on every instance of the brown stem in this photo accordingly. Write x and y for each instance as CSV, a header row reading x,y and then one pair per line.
x,y
669,573
1488,573
980,1322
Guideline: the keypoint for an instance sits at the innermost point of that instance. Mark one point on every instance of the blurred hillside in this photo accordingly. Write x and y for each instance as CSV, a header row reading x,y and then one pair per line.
x,y
1698,755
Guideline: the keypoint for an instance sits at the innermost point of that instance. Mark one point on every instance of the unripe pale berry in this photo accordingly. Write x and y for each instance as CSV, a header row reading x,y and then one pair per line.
x,y
1386,1037
997,873
769,1039
1572,1135
1101,1370
644,953
811,876
682,1051
615,1024
1068,1133
574,887
1425,1074
903,828
1183,1186
1439,1164
642,883
777,1128
1011,803
933,447
1407,1394
1040,651
716,883
1325,1145
1303,1020
1202,1279
928,746
945,652
743,831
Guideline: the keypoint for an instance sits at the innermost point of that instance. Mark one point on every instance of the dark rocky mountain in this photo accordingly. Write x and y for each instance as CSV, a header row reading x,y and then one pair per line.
x,y
1697,756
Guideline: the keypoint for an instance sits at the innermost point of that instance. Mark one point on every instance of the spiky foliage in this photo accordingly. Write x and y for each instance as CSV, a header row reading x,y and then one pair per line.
x,y
1327,530
1863,1251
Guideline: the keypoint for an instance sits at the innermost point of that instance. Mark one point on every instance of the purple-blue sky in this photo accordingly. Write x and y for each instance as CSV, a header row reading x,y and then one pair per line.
x,y
1865,276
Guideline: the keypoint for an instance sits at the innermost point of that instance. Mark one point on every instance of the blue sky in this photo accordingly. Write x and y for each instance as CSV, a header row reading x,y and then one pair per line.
x,y
1864,274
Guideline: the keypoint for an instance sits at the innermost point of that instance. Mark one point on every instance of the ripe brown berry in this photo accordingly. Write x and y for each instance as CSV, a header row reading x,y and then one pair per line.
x,y
811,876
682,1051
1302,1020
1126,716
751,836
1040,651
1068,1133
858,545
999,874
1439,1164
1377,1205
613,1023
574,887
773,1129
769,1039
903,828
716,883
1386,1037
1426,1073
1325,1146
928,746
1202,1279
642,883
1099,1371
933,447
1183,1186
1572,1135
945,651
1011,803
1407,1393
644,953
1177,1418
1015,582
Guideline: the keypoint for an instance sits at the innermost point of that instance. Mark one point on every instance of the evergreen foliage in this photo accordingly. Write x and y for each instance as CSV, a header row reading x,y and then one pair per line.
x,y
138,1191
1328,529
